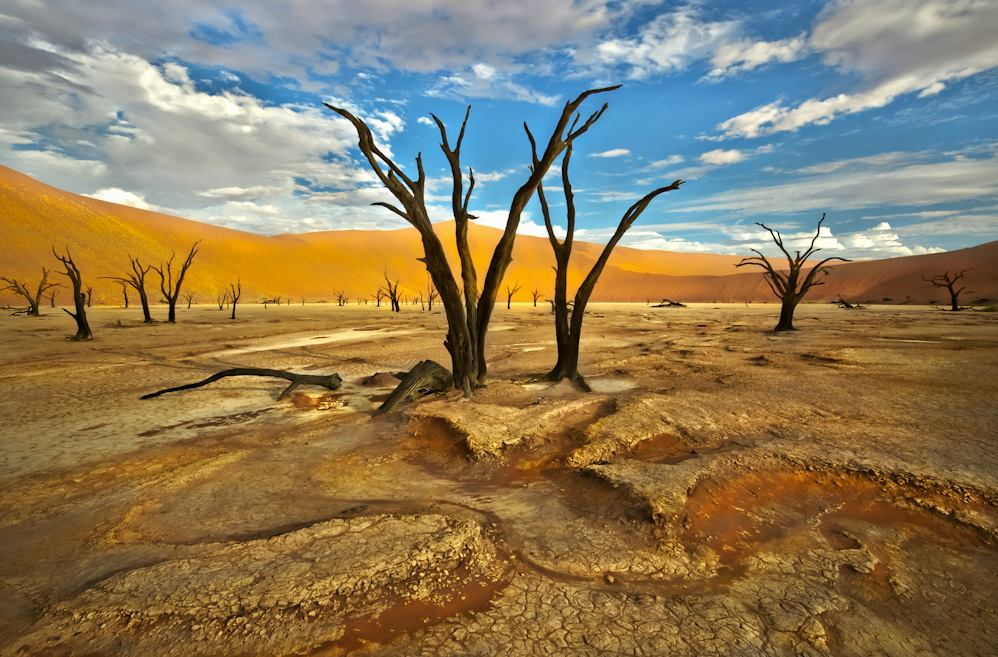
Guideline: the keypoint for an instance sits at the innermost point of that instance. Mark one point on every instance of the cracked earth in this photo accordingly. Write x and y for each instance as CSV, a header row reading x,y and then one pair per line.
x,y
722,491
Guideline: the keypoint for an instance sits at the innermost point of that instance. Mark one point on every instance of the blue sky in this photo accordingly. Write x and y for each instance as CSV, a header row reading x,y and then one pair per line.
x,y
882,114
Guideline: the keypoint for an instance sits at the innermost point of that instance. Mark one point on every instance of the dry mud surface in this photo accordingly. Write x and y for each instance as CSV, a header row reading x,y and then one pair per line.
x,y
722,491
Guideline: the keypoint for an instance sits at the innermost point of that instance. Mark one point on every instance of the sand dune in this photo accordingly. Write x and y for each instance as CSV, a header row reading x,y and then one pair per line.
x,y
102,235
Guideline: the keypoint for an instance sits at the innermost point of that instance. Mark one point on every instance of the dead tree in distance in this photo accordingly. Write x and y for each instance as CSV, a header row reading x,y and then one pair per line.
x,y
124,292
222,299
949,281
137,280
788,285
341,298
189,297
72,272
431,294
34,299
52,297
669,303
235,291
392,293
568,326
535,294
468,314
171,288
90,295
510,291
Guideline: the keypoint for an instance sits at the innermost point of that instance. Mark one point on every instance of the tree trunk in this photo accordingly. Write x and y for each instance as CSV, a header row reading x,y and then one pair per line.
x,y
786,316
83,331
172,315
954,300
328,381
426,377
144,300
233,310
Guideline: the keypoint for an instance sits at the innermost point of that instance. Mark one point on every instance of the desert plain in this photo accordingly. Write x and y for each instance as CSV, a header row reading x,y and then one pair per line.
x,y
722,490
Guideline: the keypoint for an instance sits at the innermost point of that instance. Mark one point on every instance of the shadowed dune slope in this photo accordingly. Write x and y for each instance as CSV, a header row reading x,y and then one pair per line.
x,y
101,236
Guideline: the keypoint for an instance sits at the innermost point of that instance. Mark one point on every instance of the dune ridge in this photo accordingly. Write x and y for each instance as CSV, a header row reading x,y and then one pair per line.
x,y
101,235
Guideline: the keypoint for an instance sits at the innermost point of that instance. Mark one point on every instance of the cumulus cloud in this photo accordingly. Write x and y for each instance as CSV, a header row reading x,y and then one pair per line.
x,y
720,156
484,81
744,55
122,197
896,48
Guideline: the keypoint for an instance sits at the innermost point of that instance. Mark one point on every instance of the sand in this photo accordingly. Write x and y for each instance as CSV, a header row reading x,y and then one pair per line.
x,y
723,490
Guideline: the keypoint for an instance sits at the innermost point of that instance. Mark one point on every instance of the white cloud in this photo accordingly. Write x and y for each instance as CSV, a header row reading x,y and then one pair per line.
x,y
665,162
121,197
745,55
424,120
955,179
897,48
721,157
613,152
670,42
482,81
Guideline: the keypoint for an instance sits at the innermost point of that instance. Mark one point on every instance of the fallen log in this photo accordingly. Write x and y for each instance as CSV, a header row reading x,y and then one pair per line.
x,y
666,303
842,303
328,381
425,378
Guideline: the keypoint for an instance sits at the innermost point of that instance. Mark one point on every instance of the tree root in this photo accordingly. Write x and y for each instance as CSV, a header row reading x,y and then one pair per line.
x,y
425,378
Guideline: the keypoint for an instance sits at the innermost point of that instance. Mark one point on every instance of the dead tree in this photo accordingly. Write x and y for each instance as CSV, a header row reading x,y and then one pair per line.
x,y
949,281
510,291
222,299
235,291
425,378
789,286
90,295
468,314
124,292
378,296
431,294
189,298
137,280
52,298
72,272
328,381
171,288
845,305
668,303
391,291
568,324
341,298
34,299
535,294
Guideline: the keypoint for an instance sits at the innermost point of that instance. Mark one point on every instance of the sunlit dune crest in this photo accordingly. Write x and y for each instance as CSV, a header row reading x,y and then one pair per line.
x,y
313,266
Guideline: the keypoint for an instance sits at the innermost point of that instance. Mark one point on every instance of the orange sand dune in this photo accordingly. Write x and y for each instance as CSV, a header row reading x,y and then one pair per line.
x,y
102,235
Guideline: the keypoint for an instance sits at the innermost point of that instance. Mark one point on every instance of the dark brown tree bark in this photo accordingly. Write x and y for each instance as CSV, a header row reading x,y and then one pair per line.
x,y
90,295
391,291
189,298
425,378
124,293
431,295
949,282
568,321
668,303
222,300
790,286
72,272
137,280
34,299
235,291
468,314
510,291
167,285
535,295
328,381
52,298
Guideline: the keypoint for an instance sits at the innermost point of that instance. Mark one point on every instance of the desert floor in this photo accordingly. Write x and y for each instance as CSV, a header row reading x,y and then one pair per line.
x,y
722,491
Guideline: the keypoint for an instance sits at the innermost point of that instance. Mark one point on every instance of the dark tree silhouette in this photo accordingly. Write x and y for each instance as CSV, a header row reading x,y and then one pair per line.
x,y
170,287
378,296
52,298
34,299
949,281
510,291
391,291
568,323
124,292
222,299
468,314
341,298
189,297
431,294
137,280
90,295
789,286
235,291
535,294
72,272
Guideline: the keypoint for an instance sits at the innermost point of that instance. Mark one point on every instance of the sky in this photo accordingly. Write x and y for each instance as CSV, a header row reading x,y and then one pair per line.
x,y
882,114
